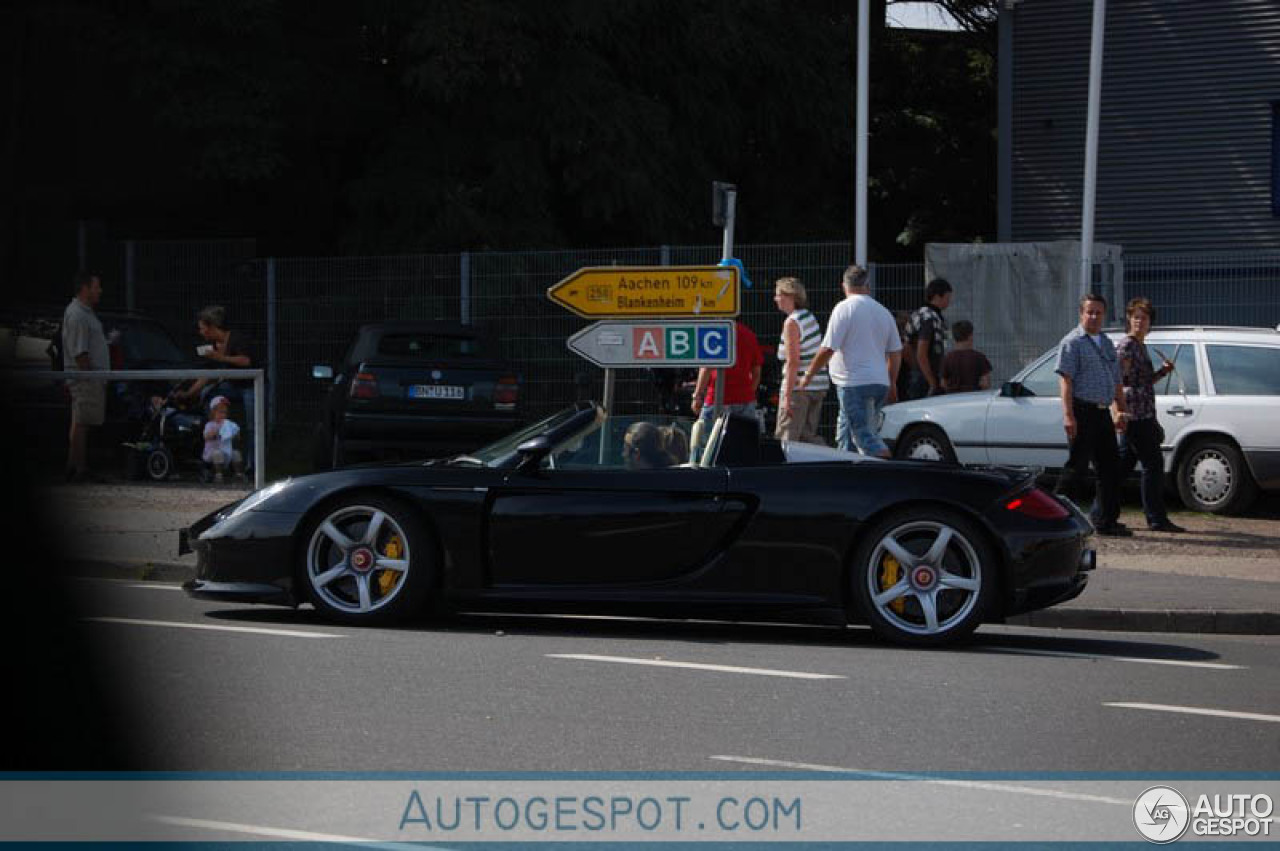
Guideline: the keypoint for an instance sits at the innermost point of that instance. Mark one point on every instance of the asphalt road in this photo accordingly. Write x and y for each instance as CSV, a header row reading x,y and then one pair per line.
x,y
213,687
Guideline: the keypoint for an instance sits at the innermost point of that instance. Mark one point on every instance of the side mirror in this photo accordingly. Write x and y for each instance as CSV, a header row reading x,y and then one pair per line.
x,y
1012,389
324,373
532,452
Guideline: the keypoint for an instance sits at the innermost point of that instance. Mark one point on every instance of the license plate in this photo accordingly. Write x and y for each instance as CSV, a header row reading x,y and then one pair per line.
x,y
437,391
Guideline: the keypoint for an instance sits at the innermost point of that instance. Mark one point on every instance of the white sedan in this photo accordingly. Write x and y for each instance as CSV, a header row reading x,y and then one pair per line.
x,y
1219,411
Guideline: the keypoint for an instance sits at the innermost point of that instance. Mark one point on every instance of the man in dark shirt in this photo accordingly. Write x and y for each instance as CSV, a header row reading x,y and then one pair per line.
x,y
926,337
965,369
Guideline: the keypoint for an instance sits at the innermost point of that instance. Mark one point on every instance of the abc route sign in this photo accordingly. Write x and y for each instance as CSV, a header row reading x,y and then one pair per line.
x,y
672,343
638,292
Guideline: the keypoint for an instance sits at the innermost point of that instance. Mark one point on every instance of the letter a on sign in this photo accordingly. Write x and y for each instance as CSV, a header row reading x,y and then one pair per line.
x,y
648,343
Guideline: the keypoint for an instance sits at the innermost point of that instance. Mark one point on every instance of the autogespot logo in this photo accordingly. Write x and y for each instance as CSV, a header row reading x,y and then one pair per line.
x,y
1161,814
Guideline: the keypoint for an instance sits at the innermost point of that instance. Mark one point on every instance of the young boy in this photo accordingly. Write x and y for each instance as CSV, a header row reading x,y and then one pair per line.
x,y
965,369
219,433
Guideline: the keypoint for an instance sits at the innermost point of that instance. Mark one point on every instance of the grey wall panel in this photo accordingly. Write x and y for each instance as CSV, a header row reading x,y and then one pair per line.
x,y
1185,142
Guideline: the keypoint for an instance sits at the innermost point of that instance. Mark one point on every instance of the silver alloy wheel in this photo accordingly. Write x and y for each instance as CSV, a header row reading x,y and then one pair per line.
x,y
1211,476
347,564
940,582
926,447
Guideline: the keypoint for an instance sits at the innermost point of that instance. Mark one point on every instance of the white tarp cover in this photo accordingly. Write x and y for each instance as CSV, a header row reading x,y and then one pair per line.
x,y
1021,297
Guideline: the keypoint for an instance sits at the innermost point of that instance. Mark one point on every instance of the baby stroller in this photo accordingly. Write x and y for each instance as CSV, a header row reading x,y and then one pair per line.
x,y
172,436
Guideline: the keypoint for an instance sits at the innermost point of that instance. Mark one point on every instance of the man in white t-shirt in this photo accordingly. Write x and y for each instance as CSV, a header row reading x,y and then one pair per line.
x,y
865,351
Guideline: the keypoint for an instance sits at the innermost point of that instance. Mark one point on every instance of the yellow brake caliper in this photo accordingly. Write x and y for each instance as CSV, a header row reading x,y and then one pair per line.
x,y
387,578
892,571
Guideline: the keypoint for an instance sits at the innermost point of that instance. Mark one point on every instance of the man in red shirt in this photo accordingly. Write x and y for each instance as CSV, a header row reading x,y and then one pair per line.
x,y
740,380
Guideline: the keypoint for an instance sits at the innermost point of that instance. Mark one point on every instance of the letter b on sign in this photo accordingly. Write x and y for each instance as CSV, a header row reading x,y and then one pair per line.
x,y
681,344
713,343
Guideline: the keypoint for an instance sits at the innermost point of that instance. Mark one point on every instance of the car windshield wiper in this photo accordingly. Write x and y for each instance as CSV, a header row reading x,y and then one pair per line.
x,y
466,459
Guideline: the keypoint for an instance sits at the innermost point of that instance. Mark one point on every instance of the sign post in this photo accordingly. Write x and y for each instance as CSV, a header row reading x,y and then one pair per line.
x,y
730,210
663,317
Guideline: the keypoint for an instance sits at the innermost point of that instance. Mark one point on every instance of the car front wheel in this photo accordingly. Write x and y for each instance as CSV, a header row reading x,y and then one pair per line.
x,y
368,560
925,443
924,577
1213,477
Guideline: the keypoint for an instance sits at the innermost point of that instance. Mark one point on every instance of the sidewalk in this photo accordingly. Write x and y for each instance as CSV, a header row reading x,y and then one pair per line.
x,y
1222,576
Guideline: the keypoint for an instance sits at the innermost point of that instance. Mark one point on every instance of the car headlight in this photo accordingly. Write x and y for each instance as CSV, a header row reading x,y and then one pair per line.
x,y
256,498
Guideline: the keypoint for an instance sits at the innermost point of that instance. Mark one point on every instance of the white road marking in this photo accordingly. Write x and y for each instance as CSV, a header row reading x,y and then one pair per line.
x,y
282,833
1068,654
1196,710
154,586
941,781
696,666
289,633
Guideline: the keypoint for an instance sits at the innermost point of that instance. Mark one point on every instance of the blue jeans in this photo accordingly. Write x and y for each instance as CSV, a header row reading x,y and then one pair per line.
x,y
859,408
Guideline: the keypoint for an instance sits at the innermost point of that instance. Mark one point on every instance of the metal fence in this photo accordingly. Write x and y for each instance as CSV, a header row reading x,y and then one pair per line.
x,y
305,311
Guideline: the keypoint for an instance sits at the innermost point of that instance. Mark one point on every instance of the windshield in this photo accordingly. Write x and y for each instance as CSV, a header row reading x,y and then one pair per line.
x,y
497,454
429,346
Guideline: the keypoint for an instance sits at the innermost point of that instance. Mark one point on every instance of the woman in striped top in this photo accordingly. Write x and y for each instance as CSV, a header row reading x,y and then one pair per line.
x,y
798,410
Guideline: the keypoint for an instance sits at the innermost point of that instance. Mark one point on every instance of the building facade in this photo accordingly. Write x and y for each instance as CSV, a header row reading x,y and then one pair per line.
x,y
1189,139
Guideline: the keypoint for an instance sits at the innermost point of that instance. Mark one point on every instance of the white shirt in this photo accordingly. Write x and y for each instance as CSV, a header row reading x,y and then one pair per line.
x,y
225,433
861,333
82,335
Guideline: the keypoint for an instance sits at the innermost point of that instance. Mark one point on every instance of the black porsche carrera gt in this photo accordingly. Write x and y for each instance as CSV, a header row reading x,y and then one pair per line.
x,y
563,516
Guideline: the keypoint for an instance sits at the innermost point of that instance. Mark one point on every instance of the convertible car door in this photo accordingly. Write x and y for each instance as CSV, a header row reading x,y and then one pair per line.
x,y
605,526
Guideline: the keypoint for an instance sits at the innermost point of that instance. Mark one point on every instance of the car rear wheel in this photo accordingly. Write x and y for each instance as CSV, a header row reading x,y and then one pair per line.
x,y
1213,477
925,443
368,560
924,577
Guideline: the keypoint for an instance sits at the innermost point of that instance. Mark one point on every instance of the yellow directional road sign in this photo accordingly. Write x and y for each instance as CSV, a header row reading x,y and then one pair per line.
x,y
630,292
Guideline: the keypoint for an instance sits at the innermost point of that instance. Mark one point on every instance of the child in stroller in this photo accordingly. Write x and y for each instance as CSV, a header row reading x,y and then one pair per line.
x,y
219,435
172,436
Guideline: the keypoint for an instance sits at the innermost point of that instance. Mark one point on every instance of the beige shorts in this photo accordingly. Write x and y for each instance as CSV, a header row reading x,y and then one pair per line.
x,y
88,402
801,425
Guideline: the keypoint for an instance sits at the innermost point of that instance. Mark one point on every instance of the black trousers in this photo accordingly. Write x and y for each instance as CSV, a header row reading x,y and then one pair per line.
x,y
1141,443
1095,443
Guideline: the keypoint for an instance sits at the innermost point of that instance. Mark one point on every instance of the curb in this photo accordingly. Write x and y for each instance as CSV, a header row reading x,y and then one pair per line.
x,y
1203,621
1208,621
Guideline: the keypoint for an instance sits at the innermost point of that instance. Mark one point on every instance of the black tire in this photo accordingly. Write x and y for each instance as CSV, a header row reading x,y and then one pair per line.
x,y
958,587
349,576
924,443
159,464
1213,477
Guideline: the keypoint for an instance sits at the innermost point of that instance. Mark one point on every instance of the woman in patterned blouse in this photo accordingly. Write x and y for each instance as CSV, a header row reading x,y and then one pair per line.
x,y
1141,440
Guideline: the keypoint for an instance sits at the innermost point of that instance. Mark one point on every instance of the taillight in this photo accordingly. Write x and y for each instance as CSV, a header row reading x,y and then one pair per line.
x,y
364,386
506,393
1036,503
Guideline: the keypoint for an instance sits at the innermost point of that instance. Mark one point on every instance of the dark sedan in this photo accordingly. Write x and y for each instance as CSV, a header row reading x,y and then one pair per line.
x,y
560,517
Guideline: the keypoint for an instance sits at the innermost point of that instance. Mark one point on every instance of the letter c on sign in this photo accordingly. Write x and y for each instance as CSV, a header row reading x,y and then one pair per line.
x,y
712,342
